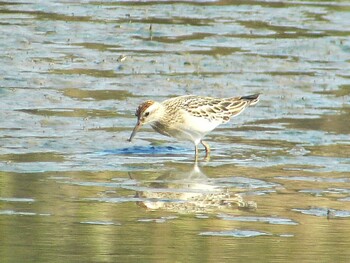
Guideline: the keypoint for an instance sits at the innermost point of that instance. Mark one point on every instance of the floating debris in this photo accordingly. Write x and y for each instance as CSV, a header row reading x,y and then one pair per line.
x,y
121,58
17,199
324,212
102,223
269,220
235,233
162,219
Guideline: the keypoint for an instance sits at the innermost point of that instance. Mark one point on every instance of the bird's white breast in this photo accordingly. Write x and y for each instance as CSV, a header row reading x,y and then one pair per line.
x,y
200,124
192,128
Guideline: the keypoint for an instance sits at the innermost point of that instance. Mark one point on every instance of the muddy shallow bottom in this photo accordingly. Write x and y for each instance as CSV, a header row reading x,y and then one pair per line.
x,y
72,189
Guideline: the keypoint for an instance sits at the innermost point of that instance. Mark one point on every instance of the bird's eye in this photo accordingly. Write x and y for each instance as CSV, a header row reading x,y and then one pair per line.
x,y
146,114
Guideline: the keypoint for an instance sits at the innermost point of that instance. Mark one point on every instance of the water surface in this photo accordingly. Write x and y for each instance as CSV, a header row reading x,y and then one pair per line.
x,y
72,189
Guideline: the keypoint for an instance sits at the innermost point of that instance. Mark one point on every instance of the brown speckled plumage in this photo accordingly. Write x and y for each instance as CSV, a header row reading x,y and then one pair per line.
x,y
211,108
190,117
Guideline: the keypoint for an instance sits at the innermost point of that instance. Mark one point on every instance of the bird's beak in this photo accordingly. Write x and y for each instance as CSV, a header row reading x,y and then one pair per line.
x,y
137,127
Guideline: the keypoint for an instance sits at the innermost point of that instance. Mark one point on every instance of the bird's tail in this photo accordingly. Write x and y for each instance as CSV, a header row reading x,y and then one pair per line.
x,y
239,104
252,99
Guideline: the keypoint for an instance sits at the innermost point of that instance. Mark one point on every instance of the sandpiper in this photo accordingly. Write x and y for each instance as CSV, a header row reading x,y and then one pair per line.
x,y
190,117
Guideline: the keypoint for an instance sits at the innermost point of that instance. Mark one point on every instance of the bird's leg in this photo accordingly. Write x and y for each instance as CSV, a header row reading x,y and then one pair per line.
x,y
207,150
196,152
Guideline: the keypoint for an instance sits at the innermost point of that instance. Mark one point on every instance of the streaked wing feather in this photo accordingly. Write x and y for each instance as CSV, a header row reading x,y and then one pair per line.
x,y
215,109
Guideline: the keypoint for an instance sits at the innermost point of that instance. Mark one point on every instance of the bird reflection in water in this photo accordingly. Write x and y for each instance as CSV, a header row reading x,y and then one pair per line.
x,y
189,192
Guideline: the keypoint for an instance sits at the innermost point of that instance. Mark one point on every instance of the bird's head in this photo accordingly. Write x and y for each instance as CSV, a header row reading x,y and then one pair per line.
x,y
147,112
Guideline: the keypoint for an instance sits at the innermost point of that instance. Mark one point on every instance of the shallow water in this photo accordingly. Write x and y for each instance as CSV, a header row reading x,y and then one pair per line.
x,y
72,189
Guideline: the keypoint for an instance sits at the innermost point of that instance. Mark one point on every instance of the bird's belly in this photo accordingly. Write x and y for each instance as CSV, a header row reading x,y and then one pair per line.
x,y
200,125
191,129
176,131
